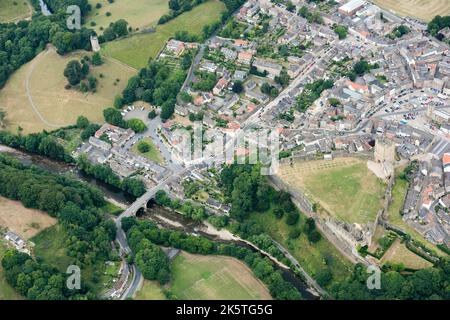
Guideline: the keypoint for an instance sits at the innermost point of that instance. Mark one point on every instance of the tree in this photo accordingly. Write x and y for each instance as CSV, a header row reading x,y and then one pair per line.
x,y
237,87
114,117
152,114
73,72
324,277
133,186
341,31
97,59
82,122
290,6
186,97
120,28
292,218
143,147
137,125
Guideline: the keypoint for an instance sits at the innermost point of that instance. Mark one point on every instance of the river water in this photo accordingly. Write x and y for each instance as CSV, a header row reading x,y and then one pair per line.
x,y
162,216
44,8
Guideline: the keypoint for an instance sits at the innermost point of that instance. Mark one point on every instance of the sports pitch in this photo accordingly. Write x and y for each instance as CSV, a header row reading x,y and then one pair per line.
x,y
344,187
197,277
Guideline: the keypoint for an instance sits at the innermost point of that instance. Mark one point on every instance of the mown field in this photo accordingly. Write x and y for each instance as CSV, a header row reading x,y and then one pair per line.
x,y
138,13
313,257
137,50
23,221
41,83
399,254
421,9
14,10
197,277
344,187
6,291
151,290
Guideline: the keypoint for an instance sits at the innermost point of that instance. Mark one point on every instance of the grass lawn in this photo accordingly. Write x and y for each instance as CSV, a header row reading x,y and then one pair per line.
x,y
112,209
25,222
153,154
398,253
137,50
312,257
422,9
151,290
398,195
138,13
6,291
14,10
197,277
344,187
49,245
58,106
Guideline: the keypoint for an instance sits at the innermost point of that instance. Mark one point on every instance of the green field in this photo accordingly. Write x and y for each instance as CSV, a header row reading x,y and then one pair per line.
x,y
137,50
312,257
138,13
153,154
344,187
6,291
14,10
196,277
151,290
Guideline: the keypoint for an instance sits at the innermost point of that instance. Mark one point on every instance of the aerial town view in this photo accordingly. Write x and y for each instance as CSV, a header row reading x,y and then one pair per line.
x,y
224,150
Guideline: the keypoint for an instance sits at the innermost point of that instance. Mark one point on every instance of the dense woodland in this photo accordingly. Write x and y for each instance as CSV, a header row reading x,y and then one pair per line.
x,y
42,143
157,84
141,235
75,205
430,283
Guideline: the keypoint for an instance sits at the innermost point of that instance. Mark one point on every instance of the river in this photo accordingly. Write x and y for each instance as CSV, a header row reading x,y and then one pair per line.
x,y
162,216
44,8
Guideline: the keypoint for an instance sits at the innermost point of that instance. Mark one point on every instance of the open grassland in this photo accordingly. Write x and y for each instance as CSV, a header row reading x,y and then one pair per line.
x,y
34,98
197,277
137,50
313,257
151,290
421,9
6,291
153,154
138,13
344,187
398,196
399,254
23,221
14,10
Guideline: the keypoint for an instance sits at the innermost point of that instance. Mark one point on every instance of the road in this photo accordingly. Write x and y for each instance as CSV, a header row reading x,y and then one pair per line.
x,y
309,280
